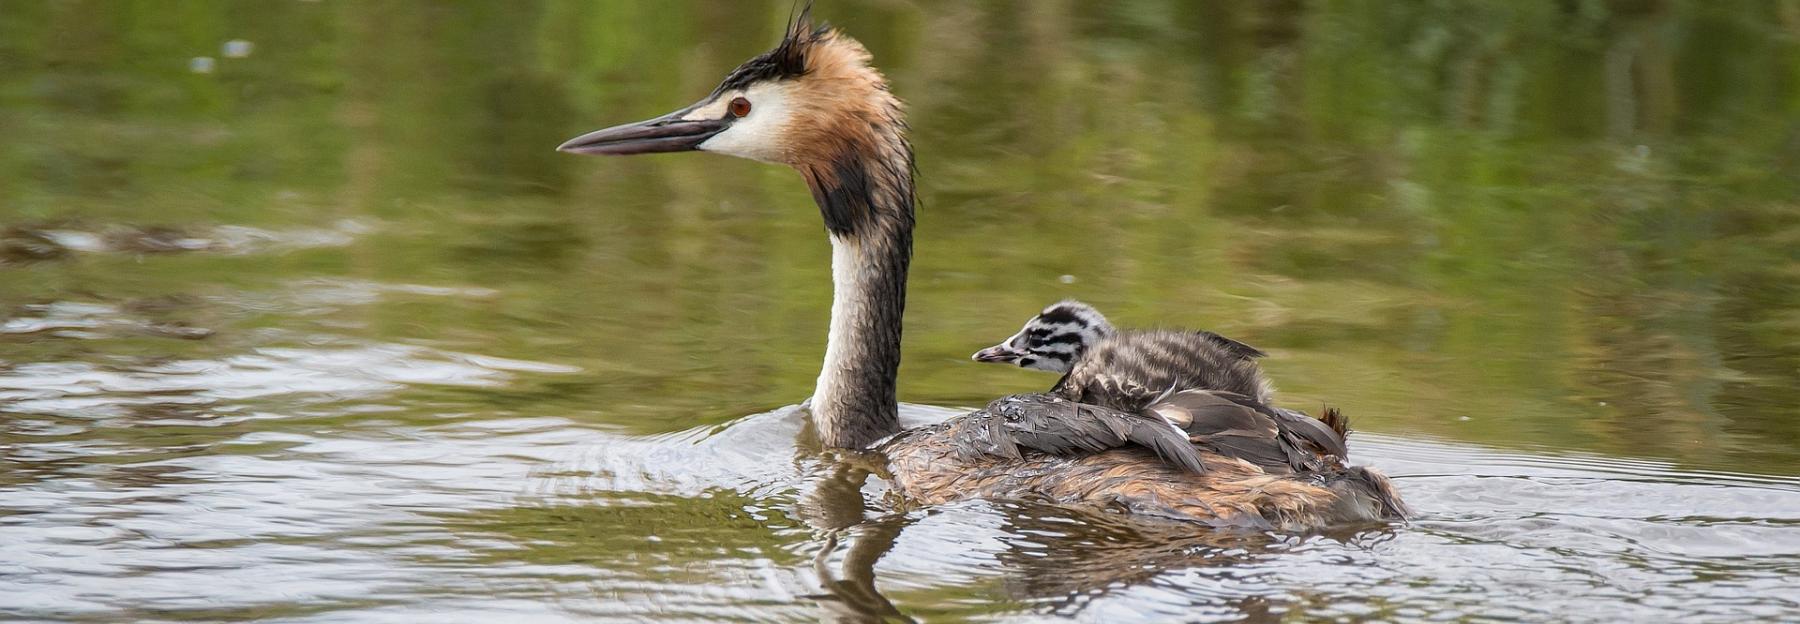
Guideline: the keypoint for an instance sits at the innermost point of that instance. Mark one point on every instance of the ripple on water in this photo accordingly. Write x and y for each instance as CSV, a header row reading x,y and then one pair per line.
x,y
228,239
301,477
1502,534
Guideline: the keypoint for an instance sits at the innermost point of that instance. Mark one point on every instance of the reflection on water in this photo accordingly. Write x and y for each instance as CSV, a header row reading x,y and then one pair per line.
x,y
329,333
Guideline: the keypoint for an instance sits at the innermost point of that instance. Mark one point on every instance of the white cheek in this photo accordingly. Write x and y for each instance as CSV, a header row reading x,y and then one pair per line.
x,y
745,140
757,136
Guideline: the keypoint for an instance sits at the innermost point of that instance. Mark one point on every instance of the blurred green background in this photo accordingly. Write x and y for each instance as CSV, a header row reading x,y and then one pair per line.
x,y
1572,224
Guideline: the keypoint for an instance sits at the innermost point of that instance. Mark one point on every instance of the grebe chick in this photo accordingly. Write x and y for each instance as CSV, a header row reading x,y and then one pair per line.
x,y
814,104
1208,386
1127,369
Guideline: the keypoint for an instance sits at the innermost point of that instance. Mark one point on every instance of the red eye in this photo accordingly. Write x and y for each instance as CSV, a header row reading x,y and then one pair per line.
x,y
740,107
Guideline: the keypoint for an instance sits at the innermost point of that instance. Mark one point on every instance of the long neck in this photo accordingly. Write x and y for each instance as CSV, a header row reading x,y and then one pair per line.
x,y
867,202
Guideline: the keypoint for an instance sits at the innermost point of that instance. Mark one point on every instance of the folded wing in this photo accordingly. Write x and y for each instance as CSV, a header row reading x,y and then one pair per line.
x,y
1238,426
1058,426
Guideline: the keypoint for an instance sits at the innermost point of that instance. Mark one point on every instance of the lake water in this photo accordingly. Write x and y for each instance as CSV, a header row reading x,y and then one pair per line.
x,y
302,319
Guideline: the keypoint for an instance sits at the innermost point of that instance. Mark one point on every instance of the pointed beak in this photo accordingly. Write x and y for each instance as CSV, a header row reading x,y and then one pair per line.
x,y
668,133
997,353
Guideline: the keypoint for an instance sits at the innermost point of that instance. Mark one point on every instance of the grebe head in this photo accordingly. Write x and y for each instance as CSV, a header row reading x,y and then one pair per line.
x,y
814,104
804,103
1052,340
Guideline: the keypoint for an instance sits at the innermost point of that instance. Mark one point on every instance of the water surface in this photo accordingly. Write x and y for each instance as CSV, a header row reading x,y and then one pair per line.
x,y
325,331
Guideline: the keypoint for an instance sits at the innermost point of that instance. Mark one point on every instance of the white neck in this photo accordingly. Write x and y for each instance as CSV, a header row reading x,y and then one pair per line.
x,y
847,295
854,402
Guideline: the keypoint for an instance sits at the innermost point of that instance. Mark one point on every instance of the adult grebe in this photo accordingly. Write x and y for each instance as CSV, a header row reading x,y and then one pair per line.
x,y
814,103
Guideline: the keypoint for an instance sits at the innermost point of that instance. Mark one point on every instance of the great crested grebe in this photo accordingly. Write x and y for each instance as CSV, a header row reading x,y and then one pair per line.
x,y
813,103
1208,386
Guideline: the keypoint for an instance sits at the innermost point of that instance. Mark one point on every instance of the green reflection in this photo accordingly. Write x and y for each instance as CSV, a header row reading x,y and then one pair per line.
x,y
1571,224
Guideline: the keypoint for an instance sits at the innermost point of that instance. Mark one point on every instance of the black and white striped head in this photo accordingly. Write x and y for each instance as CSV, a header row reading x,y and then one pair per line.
x,y
1052,340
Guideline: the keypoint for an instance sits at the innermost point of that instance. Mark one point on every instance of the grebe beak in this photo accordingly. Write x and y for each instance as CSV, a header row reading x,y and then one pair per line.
x,y
997,353
668,133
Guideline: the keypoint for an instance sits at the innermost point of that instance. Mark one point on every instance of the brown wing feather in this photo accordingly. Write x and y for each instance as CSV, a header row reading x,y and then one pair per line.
x,y
1238,426
1321,433
1227,427
1057,426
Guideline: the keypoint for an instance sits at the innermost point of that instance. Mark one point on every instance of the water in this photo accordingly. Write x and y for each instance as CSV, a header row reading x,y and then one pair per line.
x,y
329,333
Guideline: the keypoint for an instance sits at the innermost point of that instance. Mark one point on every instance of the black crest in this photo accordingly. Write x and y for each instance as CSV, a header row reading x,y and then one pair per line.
x,y
787,60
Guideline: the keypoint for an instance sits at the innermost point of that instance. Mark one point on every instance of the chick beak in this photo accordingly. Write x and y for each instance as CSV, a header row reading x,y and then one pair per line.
x,y
998,353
